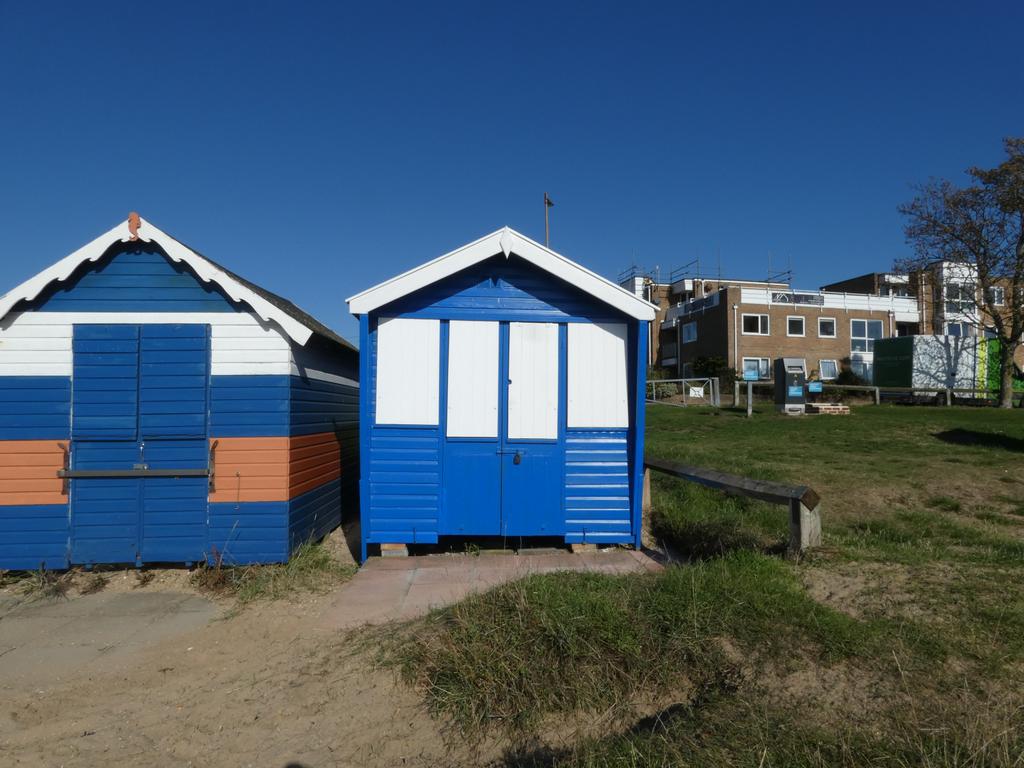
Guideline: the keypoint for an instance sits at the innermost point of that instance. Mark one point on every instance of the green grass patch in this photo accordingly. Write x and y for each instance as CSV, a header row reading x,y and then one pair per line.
x,y
573,642
944,503
721,732
311,568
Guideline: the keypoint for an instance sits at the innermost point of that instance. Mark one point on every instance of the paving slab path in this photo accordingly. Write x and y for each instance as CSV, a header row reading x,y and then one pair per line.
x,y
43,643
388,588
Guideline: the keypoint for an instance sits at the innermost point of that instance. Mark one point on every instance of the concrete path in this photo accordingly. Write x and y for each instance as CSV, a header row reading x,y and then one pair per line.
x,y
387,588
45,643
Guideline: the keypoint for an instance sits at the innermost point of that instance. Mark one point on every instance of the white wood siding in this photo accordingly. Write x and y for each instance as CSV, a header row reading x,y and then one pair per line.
x,y
598,375
408,371
39,343
533,381
472,379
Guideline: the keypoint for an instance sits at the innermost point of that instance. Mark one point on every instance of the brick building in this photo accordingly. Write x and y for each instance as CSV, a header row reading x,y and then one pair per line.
x,y
747,324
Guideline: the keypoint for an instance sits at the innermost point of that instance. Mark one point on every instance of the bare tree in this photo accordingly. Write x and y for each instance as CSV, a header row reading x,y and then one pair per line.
x,y
981,227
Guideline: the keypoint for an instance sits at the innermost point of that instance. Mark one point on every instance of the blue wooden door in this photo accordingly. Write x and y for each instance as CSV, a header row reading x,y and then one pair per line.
x,y
503,447
139,402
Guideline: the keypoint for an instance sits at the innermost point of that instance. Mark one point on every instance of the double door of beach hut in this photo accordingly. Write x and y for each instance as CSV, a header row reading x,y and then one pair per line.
x,y
139,454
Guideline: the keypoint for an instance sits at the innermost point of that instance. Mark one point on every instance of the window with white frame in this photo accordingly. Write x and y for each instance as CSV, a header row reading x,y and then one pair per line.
x,y
958,329
761,365
829,369
863,334
997,295
689,333
795,325
862,367
959,298
827,327
755,325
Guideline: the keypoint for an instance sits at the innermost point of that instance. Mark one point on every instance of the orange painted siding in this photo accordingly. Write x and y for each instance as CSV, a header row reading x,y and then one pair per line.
x,y
314,460
250,469
28,472
273,468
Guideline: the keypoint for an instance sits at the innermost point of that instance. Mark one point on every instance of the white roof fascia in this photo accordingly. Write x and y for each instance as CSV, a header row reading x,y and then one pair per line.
x,y
506,241
206,271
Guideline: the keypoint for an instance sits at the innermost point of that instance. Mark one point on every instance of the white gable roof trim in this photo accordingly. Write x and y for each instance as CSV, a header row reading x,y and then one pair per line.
x,y
148,233
506,241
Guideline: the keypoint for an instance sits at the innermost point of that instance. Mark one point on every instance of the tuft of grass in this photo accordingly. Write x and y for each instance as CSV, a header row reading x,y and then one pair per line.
x,y
92,583
45,585
311,568
700,523
577,642
945,503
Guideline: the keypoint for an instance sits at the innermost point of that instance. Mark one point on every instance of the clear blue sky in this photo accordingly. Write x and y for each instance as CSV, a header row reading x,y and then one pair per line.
x,y
318,148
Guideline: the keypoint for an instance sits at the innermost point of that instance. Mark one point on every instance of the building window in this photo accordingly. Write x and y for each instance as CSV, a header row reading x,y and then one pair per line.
x,y
958,329
795,325
862,368
687,372
755,325
689,333
863,334
762,365
959,298
997,295
829,369
827,327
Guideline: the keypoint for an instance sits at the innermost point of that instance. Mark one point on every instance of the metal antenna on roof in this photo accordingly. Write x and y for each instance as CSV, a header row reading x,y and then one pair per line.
x,y
786,276
548,203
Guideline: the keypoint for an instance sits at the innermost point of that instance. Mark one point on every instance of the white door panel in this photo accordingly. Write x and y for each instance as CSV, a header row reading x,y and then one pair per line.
x,y
408,371
533,381
597,376
472,379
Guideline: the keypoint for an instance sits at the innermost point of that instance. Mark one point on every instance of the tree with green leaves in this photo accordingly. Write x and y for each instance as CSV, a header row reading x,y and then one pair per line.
x,y
979,226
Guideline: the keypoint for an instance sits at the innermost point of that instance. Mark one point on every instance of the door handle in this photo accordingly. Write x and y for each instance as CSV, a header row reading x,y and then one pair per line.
x,y
518,458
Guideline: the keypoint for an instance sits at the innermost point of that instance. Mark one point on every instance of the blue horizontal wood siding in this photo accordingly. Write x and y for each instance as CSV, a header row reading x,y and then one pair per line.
x,y
404,486
597,486
133,277
35,407
501,289
250,406
315,514
250,532
322,406
32,537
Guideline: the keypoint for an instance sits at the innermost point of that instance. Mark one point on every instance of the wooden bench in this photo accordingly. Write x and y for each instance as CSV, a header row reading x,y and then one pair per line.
x,y
803,502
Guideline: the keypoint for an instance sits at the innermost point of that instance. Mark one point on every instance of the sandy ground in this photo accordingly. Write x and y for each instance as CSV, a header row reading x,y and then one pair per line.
x,y
148,672
264,687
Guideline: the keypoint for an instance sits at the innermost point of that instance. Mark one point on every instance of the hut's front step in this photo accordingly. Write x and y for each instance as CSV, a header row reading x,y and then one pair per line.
x,y
394,550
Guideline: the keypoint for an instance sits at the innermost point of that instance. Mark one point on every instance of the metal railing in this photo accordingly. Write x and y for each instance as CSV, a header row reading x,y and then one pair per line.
x,y
702,391
878,393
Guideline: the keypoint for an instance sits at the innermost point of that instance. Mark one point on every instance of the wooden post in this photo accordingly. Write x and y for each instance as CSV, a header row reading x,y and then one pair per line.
x,y
804,527
949,397
736,394
646,504
750,399
878,396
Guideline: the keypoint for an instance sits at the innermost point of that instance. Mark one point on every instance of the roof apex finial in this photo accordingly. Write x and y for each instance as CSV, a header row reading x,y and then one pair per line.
x,y
134,220
505,241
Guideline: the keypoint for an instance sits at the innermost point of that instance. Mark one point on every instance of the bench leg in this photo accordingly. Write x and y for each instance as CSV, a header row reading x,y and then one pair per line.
x,y
804,527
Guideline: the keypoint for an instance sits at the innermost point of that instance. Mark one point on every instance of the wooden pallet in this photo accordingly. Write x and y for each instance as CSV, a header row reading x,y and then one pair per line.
x,y
828,409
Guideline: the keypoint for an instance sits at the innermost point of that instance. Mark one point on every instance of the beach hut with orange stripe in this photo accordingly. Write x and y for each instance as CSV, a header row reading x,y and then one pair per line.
x,y
157,408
